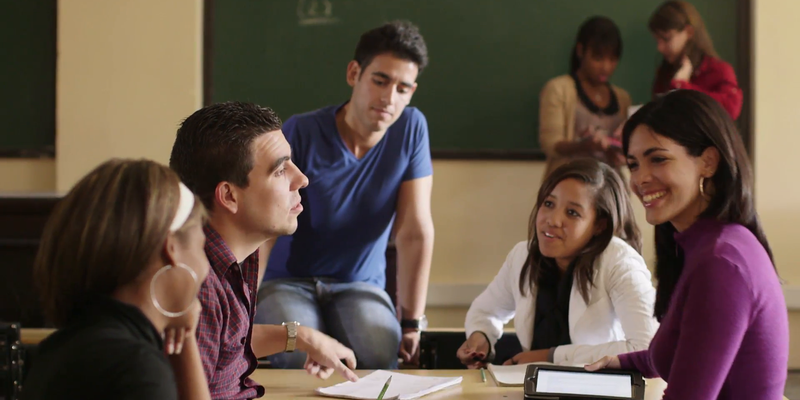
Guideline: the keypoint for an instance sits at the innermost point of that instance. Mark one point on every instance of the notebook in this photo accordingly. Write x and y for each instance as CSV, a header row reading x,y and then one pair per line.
x,y
510,375
403,386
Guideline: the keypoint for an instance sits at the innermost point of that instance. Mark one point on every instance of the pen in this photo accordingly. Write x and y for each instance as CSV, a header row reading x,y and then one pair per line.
x,y
483,375
386,386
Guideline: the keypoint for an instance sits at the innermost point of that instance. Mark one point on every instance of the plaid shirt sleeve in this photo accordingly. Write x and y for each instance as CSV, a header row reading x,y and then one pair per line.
x,y
209,328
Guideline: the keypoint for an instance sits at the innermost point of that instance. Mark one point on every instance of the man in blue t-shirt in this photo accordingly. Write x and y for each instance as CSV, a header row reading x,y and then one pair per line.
x,y
370,175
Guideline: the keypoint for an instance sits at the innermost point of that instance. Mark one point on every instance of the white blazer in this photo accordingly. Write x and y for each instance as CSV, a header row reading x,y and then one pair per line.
x,y
618,318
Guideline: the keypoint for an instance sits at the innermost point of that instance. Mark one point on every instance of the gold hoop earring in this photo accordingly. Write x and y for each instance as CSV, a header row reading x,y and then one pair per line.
x,y
702,189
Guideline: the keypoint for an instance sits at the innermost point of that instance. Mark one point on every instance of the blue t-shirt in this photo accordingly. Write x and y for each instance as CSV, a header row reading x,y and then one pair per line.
x,y
349,204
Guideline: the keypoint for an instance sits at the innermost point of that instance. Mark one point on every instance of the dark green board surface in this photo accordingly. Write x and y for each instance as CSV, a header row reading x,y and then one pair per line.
x,y
28,77
489,59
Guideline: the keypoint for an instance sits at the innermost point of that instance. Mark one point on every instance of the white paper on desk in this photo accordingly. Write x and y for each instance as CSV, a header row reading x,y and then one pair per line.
x,y
511,375
403,386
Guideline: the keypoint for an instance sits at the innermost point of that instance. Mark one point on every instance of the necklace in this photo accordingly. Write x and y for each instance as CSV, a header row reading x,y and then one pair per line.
x,y
596,94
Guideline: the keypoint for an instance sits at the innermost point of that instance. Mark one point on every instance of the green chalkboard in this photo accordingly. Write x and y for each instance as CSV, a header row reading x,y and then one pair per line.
x,y
489,59
28,78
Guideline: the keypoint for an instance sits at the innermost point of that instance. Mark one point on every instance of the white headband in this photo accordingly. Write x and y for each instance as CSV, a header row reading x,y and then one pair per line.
x,y
185,206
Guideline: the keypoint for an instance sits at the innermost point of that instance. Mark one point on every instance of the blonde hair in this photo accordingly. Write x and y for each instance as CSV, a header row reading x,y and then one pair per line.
x,y
104,233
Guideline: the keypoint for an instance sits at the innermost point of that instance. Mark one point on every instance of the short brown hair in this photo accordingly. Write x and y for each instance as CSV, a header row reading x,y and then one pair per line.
x,y
214,145
398,38
103,234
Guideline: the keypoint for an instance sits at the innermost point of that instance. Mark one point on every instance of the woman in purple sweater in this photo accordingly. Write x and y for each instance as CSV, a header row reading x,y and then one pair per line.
x,y
724,330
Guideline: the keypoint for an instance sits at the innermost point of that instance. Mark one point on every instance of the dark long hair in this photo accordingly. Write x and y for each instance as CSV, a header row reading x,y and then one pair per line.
x,y
611,203
599,34
679,15
696,121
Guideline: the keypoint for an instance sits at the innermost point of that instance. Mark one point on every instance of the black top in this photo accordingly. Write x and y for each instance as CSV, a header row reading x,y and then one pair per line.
x,y
110,351
612,107
551,323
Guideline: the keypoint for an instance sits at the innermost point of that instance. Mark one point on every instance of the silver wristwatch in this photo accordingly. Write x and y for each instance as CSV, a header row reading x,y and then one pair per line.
x,y
291,335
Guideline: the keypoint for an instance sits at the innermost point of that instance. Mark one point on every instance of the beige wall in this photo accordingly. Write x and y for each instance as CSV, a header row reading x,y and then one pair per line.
x,y
481,210
777,131
777,138
26,175
128,72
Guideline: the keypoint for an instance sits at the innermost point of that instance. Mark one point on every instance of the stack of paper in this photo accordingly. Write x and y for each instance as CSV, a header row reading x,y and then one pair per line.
x,y
403,386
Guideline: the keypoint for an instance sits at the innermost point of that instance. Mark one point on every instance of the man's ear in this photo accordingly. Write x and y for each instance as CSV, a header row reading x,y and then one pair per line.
x,y
709,162
226,196
353,72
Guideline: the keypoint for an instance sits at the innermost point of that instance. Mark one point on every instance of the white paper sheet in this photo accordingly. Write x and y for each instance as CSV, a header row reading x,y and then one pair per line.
x,y
510,375
403,386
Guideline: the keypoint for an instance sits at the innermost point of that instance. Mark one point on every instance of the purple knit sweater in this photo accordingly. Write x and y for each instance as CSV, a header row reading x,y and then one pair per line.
x,y
726,334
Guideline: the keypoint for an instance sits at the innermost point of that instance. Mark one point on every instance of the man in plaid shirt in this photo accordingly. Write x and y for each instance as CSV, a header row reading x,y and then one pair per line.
x,y
235,158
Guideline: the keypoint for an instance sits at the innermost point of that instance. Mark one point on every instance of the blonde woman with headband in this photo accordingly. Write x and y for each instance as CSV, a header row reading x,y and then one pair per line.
x,y
119,267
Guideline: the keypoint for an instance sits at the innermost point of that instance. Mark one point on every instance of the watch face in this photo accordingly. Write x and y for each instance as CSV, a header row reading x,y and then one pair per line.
x,y
423,323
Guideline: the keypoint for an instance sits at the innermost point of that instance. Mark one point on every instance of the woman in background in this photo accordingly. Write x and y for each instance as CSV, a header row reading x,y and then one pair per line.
x,y
578,289
724,325
690,61
119,267
579,111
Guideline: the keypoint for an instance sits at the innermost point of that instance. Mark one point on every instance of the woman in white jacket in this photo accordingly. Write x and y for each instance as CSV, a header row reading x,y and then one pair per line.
x,y
578,289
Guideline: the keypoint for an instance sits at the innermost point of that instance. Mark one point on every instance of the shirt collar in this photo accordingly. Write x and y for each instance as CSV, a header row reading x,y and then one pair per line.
x,y
698,230
219,254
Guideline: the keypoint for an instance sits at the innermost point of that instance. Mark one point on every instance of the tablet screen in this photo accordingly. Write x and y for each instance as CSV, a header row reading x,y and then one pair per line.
x,y
585,383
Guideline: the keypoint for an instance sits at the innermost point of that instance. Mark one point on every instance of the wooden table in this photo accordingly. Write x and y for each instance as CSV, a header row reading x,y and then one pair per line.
x,y
296,384
34,335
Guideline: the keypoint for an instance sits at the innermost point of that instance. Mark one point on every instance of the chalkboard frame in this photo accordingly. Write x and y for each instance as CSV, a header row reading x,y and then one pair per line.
x,y
744,65
47,151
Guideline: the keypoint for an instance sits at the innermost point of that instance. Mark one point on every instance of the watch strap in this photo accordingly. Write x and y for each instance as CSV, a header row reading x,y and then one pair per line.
x,y
409,323
291,336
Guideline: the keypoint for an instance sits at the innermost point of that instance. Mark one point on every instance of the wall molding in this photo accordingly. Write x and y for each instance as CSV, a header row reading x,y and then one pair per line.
x,y
453,294
792,295
461,295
